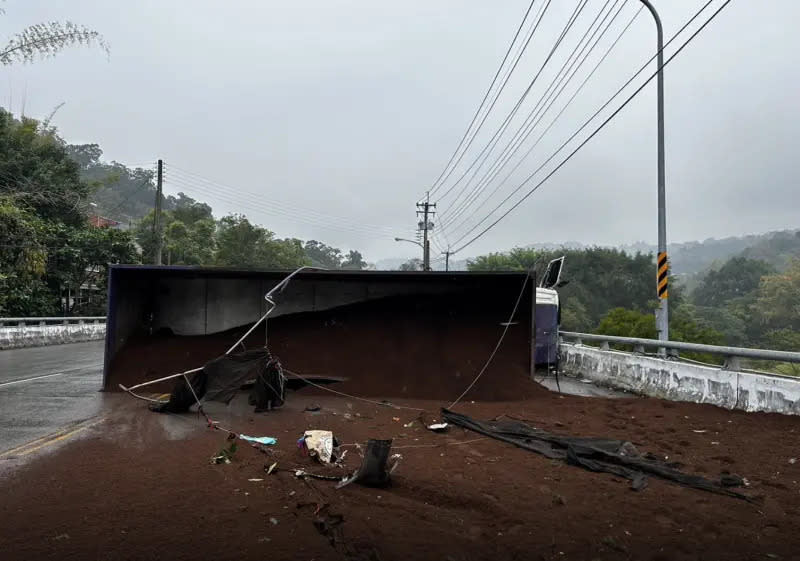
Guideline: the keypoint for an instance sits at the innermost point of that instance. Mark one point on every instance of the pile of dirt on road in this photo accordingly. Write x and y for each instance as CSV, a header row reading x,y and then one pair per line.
x,y
430,348
140,486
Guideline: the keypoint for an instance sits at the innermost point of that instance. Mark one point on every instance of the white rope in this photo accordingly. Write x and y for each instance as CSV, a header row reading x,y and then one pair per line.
x,y
384,403
499,342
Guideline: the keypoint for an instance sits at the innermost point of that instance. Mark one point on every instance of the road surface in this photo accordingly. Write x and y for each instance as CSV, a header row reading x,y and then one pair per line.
x,y
44,390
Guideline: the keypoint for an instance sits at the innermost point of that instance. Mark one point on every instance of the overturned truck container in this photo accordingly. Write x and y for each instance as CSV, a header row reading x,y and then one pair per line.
x,y
380,333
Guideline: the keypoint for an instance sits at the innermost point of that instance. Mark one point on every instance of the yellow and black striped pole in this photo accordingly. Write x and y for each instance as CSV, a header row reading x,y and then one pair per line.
x,y
663,276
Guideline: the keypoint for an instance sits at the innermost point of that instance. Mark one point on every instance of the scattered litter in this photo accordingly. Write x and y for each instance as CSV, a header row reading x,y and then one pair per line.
x,y
273,520
272,468
792,460
265,440
699,431
396,419
714,442
292,493
586,381
347,416
302,473
320,444
61,537
409,424
263,540
224,456
438,427
255,479
312,408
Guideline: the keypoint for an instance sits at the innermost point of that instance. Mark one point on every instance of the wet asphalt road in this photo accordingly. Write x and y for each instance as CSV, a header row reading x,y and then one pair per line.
x,y
45,389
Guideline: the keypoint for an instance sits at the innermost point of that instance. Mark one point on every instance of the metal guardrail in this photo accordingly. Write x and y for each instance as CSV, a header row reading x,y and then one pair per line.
x,y
731,354
22,322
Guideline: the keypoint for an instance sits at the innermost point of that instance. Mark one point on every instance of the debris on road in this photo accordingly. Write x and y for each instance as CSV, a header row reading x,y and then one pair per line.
x,y
594,454
373,471
265,440
438,427
320,444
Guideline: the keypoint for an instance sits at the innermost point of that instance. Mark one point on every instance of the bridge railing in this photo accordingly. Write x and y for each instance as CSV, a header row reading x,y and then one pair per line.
x,y
732,355
22,322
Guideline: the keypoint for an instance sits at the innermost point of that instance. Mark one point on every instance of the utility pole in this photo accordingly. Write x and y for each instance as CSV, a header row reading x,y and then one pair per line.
x,y
157,211
662,270
447,259
425,225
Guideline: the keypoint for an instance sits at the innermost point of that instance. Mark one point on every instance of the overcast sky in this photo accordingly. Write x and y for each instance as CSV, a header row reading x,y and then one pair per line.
x,y
329,119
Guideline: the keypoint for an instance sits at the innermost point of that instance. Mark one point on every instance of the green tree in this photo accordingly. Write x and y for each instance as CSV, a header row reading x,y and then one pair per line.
x,y
778,303
354,261
80,259
738,277
517,259
623,322
23,264
684,326
37,173
414,264
322,255
243,244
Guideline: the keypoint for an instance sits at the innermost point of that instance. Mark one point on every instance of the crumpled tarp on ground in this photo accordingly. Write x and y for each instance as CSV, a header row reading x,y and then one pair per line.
x,y
221,378
595,454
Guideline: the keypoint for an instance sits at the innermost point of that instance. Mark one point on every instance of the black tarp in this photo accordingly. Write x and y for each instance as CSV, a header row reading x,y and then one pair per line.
x,y
595,454
221,378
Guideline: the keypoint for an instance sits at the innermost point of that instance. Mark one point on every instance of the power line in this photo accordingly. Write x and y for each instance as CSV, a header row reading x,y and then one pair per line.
x,y
485,96
488,178
283,209
558,83
252,201
558,116
578,8
582,144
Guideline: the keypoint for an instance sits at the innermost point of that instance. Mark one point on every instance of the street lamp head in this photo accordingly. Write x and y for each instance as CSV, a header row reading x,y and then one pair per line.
x,y
398,239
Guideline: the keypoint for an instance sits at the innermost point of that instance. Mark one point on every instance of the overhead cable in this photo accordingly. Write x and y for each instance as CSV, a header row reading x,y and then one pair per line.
x,y
583,143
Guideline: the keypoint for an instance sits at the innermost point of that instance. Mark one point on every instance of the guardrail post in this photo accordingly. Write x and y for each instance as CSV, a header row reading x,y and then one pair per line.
x,y
732,363
579,341
42,323
638,349
65,322
21,324
604,346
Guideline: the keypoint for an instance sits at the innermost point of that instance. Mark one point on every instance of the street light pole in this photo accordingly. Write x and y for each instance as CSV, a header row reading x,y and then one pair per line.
x,y
662,314
425,249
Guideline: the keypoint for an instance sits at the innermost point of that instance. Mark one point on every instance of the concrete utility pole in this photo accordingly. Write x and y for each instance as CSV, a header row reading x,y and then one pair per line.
x,y
157,212
424,226
662,271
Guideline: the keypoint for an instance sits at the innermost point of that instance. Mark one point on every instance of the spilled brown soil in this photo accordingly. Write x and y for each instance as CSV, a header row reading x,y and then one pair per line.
x,y
426,348
141,487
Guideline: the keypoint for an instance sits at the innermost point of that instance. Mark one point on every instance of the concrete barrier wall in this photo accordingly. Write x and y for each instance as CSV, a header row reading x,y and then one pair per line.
x,y
681,381
39,335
